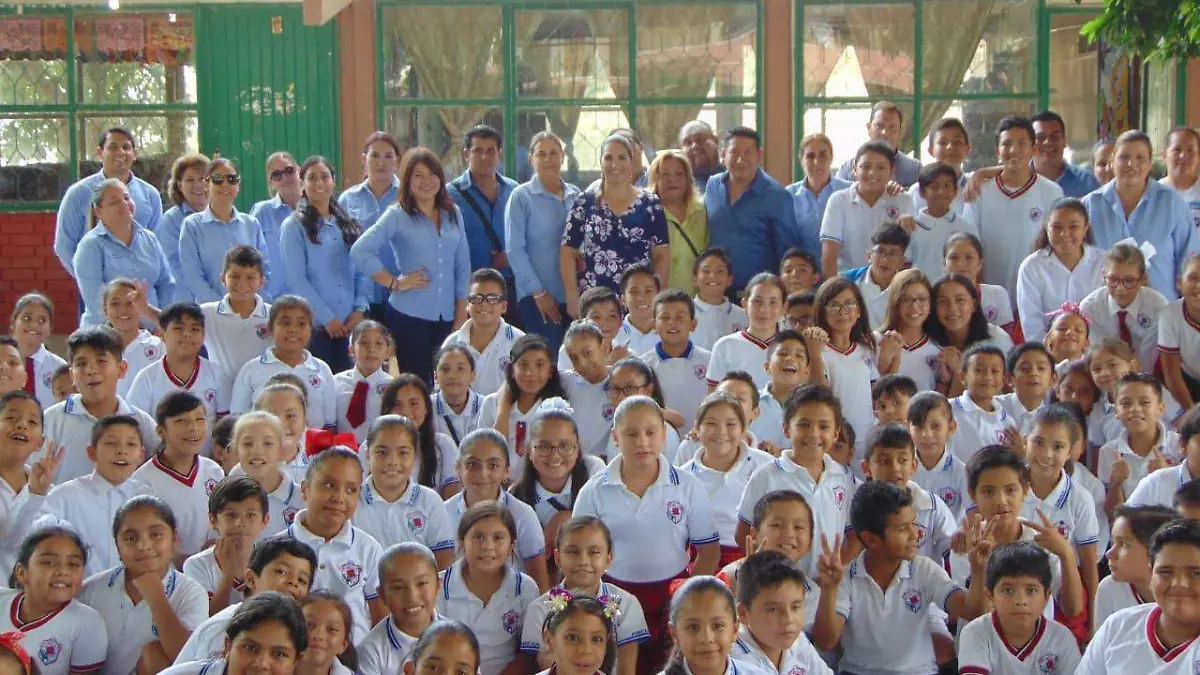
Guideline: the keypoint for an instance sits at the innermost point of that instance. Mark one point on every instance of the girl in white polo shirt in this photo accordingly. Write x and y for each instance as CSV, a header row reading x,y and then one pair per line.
x,y
963,254
580,636
408,396
329,623
456,404
557,468
707,602
268,622
904,348
531,377
360,388
1179,337
1065,266
747,349
30,325
846,364
141,346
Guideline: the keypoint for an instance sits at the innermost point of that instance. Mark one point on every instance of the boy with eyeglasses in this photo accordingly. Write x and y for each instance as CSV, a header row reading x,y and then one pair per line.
x,y
884,259
486,333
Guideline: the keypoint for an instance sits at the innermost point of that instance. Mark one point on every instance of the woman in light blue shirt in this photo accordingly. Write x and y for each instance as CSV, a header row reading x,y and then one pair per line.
x,y
189,193
810,195
533,225
207,236
284,180
367,201
118,247
425,232
315,242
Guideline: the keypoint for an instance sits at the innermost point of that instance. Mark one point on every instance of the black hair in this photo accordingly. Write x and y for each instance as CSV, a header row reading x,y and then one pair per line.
x,y
34,539
176,311
582,604
243,256
288,301
717,252
222,431
743,132
175,404
784,336
890,436
1015,122
525,489
981,349
830,289
596,295
926,402
237,489
977,327
893,385
482,511
100,338
115,130
318,461
971,239
1144,519
143,503
529,343
485,274
801,298
576,523
1188,494
1056,414
270,606
738,376
873,503
694,586
675,295
934,171
426,436
414,549
766,279
21,395
994,457
482,132
109,421
1015,355
807,394
763,506
1049,116
879,148
891,234
1133,377
311,218
268,550
764,571
451,348
636,269
348,656
391,421
9,341
1179,531
797,252
640,366
439,628
1019,559
949,123
1042,240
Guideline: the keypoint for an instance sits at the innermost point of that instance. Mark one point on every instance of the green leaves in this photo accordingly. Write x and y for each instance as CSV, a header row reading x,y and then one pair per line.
x,y
1152,29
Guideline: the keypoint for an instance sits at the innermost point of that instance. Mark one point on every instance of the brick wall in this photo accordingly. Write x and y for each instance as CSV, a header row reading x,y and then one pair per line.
x,y
27,262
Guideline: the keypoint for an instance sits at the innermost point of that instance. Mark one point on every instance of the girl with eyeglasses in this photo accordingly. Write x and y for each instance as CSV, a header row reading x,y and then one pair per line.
x,y
904,346
1064,266
283,182
634,377
557,467
956,323
846,360
207,236
1125,308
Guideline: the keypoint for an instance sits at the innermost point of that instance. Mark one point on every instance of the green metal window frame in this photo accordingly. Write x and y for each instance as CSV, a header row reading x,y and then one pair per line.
x,y
510,104
73,109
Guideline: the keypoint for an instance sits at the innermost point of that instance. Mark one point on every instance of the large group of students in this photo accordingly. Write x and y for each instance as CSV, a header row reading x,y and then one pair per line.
x,y
960,437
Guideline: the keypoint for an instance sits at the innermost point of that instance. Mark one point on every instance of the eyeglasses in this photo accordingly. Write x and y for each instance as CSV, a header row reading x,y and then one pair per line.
x,y
564,450
490,298
886,255
278,174
218,179
629,389
922,301
794,322
1127,282
844,308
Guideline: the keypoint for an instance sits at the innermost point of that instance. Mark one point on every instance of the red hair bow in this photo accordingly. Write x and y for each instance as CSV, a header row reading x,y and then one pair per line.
x,y
12,642
316,440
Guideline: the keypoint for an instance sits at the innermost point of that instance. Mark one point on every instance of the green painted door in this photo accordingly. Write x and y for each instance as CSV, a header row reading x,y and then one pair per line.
x,y
265,82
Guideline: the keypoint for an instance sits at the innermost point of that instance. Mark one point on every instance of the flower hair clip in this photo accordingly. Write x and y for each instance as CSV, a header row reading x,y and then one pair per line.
x,y
560,597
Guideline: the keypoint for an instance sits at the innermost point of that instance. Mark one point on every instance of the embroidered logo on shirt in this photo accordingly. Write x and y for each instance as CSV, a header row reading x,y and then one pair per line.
x,y
839,496
700,371
1048,664
912,600
209,486
920,535
151,352
1035,215
675,511
1062,528
314,382
950,496
991,313
416,521
893,212
1143,320
380,387
262,331
210,395
608,411
504,361
351,573
931,362
47,379
511,620
798,670
289,514
49,650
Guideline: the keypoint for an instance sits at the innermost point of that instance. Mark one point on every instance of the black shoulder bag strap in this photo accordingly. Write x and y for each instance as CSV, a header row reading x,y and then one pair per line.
x,y
679,229
487,222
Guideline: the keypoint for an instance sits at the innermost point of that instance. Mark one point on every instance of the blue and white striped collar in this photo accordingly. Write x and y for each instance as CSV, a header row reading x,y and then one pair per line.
x,y
453,576
666,473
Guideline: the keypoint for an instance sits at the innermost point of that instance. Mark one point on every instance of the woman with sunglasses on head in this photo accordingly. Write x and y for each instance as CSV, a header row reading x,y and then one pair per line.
x,y
207,236
368,200
283,181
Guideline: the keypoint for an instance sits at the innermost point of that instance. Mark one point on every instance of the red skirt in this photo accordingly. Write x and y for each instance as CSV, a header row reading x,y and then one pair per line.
x,y
655,597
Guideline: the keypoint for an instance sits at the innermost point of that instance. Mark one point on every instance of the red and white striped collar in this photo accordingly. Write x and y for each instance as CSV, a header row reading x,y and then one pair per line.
x,y
178,381
1013,194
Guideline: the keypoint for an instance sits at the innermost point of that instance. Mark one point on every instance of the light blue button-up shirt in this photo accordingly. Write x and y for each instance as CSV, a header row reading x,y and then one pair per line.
x,y
756,230
203,243
1077,181
101,257
169,228
270,215
361,203
1161,218
810,210
417,244
323,273
534,224
73,213
478,240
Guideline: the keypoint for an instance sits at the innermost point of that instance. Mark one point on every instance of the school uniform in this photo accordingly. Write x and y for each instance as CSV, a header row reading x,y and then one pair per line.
x,y
204,240
547,504
186,494
809,206
948,480
850,375
996,304
207,641
347,566
1009,220
918,361
687,449
497,624
681,378
321,410
213,666
929,239
206,570
130,625
143,350
283,503
44,363
1069,508
739,351
1086,481
453,424
71,639
70,425
732,667
983,649
1112,596
1139,466
1159,488
385,649
874,295
88,505
800,657
959,565
1129,643
1044,283
629,620
850,221
232,341
1141,320
518,430
593,412
714,322
417,515
364,394
935,522
725,490
633,339
977,428
1190,196
1179,335
491,364
156,380
531,539
18,511
769,424
447,456
1022,417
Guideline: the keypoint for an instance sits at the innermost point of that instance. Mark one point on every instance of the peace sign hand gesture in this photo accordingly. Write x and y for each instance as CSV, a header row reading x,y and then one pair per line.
x,y
1050,539
982,539
41,474
830,568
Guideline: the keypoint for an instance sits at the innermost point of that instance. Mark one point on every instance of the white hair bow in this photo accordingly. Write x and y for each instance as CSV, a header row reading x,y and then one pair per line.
x,y
1147,249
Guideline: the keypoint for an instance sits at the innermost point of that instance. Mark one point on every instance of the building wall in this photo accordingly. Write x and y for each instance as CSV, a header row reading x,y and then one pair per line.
x,y
27,243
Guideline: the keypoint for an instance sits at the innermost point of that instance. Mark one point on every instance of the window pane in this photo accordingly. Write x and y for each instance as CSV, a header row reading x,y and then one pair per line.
x,y
442,52
846,126
582,131
1074,82
980,118
139,59
33,82
160,138
858,50
573,54
439,129
659,125
990,52
693,50
34,158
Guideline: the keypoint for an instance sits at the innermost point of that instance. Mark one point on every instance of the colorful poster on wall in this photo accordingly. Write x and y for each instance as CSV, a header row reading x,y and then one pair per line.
x,y
1118,100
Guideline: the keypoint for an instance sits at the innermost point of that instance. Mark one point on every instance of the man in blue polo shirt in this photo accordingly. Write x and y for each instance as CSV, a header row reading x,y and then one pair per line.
x,y
750,214
481,193
1050,140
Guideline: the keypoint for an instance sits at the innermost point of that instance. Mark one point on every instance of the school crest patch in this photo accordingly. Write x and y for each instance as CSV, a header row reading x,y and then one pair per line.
x,y
210,395
511,620
209,486
351,573
912,600
991,313
1143,320
380,387
47,379
1061,527
798,670
1035,215
262,331
1048,664
49,650
931,362
893,212
839,496
504,362
950,496
700,370
608,411
289,514
920,535
675,511
151,352
416,522
314,382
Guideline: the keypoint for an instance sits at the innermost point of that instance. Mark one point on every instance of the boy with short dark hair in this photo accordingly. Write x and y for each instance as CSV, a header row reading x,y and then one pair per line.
x,y
771,598
236,327
884,259
716,315
1029,369
890,396
798,312
939,214
12,366
1160,486
931,424
980,420
586,384
799,271
1187,500
238,511
639,286
62,384
950,144
681,366
601,306
787,363
1145,444
486,333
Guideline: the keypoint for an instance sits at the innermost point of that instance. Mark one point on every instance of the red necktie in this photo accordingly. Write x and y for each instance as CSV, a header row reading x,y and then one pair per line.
x,y
356,414
1123,328
30,377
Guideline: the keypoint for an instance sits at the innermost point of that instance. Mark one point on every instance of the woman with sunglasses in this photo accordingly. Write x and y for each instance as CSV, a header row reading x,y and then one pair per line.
x,y
283,181
370,198
207,236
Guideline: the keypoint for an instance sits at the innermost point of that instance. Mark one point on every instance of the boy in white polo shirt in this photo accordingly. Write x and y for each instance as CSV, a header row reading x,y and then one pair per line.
x,y
950,144
939,215
586,385
885,257
238,512
787,363
486,333
236,326
853,214
716,315
1144,444
980,421
639,286
1161,487
1187,500
747,350
601,306
931,423
681,366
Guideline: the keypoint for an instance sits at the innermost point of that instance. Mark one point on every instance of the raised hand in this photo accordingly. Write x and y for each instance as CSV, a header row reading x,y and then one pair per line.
x,y
830,568
1013,440
233,554
1049,538
985,541
41,474
1120,472
815,338
1157,461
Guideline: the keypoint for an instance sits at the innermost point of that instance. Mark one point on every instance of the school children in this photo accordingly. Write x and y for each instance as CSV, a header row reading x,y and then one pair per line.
x,y
284,396
771,610
931,423
23,487
739,385
1179,337
456,404
788,365
681,367
237,327
601,306
716,315
268,623
949,144
1144,446
1160,486
846,361
1129,559
853,214
890,395
237,511
530,378
140,347
1125,307
446,646
963,255
489,337
1029,368
904,348
329,650
12,367
885,257
639,286
408,587
30,325
587,385
437,455
1187,500
705,601
747,349
258,439
939,214
63,384
579,635
1067,335
360,388
1065,266
798,310
798,269
980,421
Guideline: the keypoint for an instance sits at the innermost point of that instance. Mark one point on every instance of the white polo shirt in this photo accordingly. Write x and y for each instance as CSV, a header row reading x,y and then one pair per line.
x,y
518,430
686,450
935,523
531,539
145,349
929,239
156,381
417,515
1044,283
635,340
71,639
918,361
547,504
769,425
960,572
45,363
208,640
206,570
1142,318
321,410
983,649
977,427
725,488
88,505
1159,488
683,378
211,667
1069,508
850,221
828,498
232,341
1087,482
456,425
347,566
1139,466
651,534
130,626
1179,334
801,658
996,303
630,620
739,351
1112,596
1009,221
492,362
1129,643
282,505
69,425
593,412
714,322
385,649
956,206
886,630
948,480
497,624
345,383
187,495
1021,417
850,375
18,511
